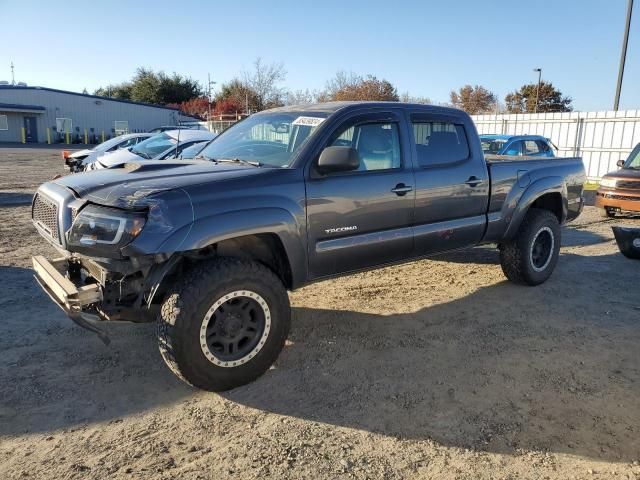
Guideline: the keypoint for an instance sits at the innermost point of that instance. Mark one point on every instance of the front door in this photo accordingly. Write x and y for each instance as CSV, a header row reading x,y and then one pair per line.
x,y
362,218
30,129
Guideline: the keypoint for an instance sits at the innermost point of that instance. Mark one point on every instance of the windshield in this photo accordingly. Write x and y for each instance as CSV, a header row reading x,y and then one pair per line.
x,y
270,139
491,146
153,146
190,152
633,161
104,146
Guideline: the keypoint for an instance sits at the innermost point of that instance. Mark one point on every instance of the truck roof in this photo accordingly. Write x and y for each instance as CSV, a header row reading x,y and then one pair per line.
x,y
332,107
512,137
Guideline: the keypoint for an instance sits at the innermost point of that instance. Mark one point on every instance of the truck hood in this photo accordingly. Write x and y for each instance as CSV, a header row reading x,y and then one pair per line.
x,y
130,182
625,173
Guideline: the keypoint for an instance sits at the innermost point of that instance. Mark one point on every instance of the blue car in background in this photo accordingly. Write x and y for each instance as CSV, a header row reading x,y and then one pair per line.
x,y
517,145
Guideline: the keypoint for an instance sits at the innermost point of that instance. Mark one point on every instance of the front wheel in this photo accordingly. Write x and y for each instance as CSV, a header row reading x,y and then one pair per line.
x,y
224,323
531,257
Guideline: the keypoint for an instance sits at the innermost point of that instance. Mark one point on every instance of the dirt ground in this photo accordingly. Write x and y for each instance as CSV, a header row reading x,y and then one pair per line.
x,y
435,369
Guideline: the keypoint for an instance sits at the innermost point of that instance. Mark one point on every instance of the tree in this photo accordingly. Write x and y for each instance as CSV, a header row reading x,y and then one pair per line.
x,y
549,99
473,100
300,97
264,81
349,86
241,94
196,107
407,98
121,91
228,106
154,87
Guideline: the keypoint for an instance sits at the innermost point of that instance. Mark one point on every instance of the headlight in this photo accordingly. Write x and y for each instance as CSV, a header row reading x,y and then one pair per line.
x,y
104,230
608,182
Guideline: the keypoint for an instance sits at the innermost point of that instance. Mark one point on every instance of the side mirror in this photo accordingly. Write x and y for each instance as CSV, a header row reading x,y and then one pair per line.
x,y
338,159
620,163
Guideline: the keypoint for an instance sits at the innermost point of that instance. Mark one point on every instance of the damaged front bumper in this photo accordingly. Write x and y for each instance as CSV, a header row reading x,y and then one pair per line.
x,y
72,299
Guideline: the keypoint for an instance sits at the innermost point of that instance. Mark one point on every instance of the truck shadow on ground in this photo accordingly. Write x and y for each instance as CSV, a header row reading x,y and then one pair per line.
x,y
503,369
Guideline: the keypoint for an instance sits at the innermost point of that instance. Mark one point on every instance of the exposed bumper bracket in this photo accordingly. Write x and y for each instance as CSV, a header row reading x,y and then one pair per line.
x,y
67,296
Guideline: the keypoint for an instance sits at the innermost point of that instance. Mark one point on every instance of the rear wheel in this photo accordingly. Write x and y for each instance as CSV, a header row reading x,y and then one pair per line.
x,y
531,257
224,323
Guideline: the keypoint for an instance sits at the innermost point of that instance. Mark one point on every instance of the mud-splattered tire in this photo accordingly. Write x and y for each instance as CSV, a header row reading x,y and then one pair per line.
x,y
224,323
531,257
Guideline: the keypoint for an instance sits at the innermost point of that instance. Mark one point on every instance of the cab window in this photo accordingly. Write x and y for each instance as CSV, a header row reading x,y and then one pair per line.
x,y
439,143
377,144
531,148
514,148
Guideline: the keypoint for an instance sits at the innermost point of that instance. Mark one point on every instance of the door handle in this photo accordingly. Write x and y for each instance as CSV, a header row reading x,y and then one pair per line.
x,y
401,189
473,181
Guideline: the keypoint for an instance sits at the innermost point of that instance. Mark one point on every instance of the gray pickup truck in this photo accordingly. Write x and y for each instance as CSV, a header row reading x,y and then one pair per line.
x,y
290,196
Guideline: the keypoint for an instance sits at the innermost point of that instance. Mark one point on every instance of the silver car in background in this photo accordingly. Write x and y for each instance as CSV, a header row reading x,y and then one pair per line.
x,y
161,146
77,161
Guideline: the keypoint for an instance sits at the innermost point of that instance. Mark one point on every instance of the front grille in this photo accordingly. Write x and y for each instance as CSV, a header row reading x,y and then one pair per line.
x,y
45,214
618,197
629,185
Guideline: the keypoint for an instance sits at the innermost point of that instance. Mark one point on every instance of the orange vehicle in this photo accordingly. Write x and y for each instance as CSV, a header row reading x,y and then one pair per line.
x,y
620,190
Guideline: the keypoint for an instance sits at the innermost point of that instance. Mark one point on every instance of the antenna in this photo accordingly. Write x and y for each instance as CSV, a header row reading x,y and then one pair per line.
x,y
178,140
13,77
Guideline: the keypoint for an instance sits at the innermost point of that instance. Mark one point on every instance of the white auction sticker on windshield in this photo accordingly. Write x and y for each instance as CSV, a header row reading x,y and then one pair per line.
x,y
308,121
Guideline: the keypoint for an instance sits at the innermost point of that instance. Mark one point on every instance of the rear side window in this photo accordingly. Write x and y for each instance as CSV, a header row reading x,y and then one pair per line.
x,y
531,147
440,143
543,146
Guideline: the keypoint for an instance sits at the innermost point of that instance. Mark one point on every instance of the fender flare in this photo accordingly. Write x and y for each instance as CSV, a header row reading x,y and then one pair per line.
x,y
262,220
534,191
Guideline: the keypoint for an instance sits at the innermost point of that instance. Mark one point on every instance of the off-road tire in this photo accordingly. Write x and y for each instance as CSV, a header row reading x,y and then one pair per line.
x,y
186,306
516,256
607,212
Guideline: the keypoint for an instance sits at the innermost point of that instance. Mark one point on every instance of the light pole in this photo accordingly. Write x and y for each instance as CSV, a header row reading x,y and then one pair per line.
x,y
623,55
539,70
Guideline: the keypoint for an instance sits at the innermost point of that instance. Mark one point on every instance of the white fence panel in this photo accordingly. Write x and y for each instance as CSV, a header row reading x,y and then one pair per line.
x,y
600,138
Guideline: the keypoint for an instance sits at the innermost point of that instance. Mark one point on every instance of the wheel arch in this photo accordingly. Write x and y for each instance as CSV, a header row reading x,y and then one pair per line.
x,y
549,193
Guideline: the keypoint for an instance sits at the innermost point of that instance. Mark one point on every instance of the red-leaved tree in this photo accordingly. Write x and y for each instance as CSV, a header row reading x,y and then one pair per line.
x,y
196,107
227,106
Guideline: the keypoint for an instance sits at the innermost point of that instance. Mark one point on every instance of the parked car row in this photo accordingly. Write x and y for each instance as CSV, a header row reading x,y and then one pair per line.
x,y
137,147
162,146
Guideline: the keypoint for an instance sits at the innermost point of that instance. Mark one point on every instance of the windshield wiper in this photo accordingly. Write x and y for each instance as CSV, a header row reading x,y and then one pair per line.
x,y
237,160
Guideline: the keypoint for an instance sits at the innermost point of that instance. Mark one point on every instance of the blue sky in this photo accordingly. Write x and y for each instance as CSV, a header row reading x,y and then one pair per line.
x,y
424,47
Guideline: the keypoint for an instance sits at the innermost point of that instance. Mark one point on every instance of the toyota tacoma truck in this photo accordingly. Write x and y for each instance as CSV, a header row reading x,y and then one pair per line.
x,y
208,249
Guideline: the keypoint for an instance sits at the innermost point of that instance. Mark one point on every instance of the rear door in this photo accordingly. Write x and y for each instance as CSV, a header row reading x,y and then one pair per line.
x,y
362,218
452,183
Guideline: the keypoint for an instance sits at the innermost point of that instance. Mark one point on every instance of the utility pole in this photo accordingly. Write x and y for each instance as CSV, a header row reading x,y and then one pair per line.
x,y
539,70
209,83
13,76
623,55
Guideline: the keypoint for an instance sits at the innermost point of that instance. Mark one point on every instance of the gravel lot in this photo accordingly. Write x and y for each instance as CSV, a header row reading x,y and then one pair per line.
x,y
434,369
